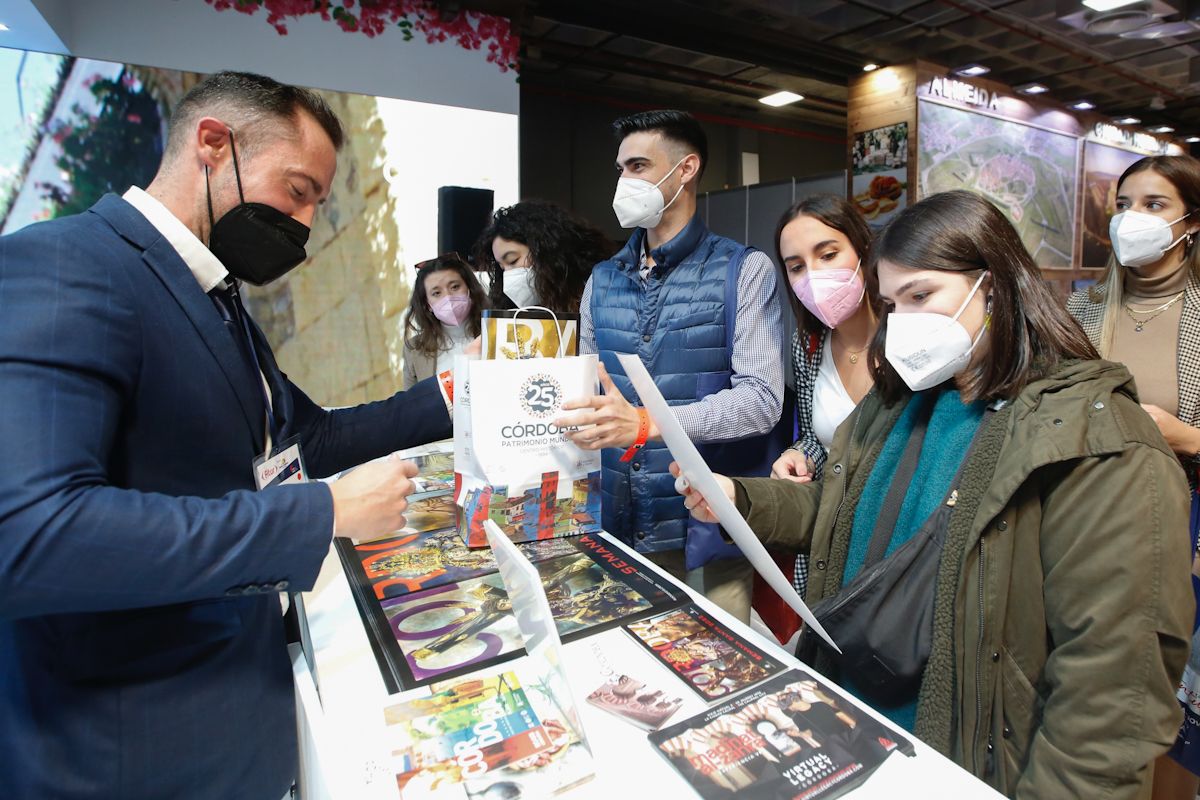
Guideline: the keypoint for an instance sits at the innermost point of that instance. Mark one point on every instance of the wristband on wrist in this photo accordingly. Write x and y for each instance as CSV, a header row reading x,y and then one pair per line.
x,y
642,434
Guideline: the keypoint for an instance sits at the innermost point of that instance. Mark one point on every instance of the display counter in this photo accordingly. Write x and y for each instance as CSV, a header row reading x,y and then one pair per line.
x,y
344,738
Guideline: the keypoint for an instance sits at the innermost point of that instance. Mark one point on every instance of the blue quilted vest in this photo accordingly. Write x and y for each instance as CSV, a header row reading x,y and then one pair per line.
x,y
680,323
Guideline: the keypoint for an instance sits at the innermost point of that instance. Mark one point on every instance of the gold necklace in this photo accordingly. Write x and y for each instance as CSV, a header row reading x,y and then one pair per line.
x,y
1154,312
852,355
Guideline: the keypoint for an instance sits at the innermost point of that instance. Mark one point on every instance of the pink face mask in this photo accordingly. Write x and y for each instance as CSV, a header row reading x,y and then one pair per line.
x,y
452,309
832,295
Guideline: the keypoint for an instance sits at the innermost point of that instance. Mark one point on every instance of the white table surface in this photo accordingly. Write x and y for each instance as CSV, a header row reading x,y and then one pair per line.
x,y
343,740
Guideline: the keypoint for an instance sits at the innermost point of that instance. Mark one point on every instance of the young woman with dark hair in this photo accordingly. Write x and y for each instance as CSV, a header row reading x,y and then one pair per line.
x,y
1043,645
1146,314
539,254
443,316
822,244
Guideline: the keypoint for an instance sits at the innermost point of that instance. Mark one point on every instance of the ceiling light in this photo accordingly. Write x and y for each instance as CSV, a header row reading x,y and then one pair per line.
x,y
1192,139
1162,30
1082,105
780,99
1128,121
1033,88
973,70
870,67
1108,5
1162,129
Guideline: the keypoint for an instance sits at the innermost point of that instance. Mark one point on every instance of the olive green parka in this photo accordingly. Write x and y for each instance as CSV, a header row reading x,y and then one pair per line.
x,y
1063,608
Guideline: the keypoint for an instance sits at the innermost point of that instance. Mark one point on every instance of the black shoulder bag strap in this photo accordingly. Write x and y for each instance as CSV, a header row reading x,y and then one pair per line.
x,y
889,512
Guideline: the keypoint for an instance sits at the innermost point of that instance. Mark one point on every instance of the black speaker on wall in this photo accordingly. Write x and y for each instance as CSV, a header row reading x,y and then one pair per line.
x,y
463,213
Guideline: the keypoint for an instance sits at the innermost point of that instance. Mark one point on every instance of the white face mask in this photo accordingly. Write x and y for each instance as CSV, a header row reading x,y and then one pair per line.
x,y
927,349
639,203
1139,239
518,287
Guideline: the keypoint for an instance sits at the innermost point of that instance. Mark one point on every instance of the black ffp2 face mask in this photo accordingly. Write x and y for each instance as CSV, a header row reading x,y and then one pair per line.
x,y
255,242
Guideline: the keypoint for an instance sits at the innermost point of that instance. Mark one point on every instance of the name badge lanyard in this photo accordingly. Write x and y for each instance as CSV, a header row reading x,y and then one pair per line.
x,y
243,322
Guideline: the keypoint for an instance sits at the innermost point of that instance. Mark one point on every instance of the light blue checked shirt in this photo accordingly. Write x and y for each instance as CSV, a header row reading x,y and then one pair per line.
x,y
753,403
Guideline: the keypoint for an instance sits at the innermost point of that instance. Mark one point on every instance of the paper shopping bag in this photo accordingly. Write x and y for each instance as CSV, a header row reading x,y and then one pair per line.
x,y
516,467
529,333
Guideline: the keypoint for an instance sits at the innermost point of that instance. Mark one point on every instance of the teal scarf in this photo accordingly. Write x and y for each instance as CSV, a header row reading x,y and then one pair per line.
x,y
947,439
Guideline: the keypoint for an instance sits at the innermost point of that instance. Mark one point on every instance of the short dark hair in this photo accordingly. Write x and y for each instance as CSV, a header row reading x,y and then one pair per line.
x,y
841,215
678,127
244,101
1030,331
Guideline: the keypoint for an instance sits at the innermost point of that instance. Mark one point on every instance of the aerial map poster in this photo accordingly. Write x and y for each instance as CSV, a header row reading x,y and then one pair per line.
x,y
1028,172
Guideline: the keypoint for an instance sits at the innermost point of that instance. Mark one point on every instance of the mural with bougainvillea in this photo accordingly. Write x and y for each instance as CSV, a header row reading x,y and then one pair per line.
x,y
471,30
107,150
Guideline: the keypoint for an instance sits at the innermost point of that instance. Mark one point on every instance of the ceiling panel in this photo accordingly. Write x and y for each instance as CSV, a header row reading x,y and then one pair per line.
x,y
726,51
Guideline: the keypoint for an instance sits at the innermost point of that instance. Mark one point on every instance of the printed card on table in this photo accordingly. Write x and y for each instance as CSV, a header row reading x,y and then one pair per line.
x,y
713,660
792,738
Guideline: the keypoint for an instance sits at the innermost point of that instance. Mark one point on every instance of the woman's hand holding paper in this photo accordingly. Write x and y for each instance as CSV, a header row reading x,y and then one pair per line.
x,y
692,499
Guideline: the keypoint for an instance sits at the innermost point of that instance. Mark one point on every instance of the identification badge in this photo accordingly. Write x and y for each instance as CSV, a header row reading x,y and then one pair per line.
x,y
285,465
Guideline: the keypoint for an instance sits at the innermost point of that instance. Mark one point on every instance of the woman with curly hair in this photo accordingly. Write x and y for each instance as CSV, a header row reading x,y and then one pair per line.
x,y
539,254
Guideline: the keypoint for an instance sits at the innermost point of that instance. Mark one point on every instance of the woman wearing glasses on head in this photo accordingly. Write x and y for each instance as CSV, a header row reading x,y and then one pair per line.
x,y
442,318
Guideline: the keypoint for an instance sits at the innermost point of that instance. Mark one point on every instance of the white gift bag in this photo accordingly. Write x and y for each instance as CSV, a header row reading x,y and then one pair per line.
x,y
515,466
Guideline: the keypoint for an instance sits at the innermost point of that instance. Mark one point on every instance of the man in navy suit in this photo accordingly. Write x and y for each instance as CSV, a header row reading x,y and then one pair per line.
x,y
142,650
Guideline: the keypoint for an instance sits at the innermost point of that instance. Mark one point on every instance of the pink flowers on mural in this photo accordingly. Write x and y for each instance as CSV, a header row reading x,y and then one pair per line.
x,y
469,29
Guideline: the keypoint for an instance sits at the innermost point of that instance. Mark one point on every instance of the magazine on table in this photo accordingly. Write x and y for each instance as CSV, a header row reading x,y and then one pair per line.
x,y
792,738
633,700
710,658
409,562
476,736
425,633
514,734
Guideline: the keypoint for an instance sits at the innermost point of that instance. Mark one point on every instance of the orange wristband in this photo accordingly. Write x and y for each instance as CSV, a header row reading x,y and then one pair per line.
x,y
642,435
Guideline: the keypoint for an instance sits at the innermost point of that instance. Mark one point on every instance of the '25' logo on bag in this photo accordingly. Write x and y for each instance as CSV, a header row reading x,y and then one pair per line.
x,y
541,395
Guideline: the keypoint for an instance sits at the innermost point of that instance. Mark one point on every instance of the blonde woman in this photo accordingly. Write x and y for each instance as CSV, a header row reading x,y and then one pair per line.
x,y
1146,314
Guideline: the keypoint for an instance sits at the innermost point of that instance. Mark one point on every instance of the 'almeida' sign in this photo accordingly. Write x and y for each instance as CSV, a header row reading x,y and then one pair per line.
x,y
963,92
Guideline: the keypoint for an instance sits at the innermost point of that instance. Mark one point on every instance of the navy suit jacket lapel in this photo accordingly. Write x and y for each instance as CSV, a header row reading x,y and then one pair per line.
x,y
170,268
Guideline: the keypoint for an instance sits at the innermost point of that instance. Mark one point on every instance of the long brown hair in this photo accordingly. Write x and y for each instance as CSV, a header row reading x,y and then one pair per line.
x,y
841,215
423,331
1029,332
1183,172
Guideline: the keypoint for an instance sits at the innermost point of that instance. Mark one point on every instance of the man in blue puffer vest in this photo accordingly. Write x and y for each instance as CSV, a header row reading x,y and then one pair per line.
x,y
703,313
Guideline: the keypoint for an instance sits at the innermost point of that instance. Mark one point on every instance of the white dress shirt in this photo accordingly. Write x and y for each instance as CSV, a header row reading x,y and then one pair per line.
x,y
206,268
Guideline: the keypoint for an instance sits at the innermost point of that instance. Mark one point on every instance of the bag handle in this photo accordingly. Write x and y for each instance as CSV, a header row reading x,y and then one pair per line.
x,y
557,326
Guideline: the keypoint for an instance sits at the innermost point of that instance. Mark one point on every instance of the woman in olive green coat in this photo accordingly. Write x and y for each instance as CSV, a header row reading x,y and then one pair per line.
x,y
1062,607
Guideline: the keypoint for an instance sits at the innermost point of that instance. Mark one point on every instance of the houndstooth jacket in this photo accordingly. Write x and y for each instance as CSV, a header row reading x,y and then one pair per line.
x,y
807,350
1087,307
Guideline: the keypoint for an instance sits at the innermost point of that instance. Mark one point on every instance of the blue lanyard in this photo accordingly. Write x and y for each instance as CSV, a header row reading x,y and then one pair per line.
x,y
259,375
